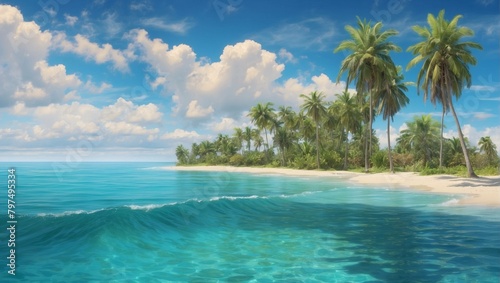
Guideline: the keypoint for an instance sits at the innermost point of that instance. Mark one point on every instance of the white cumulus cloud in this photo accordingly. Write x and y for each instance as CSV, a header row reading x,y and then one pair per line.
x,y
25,75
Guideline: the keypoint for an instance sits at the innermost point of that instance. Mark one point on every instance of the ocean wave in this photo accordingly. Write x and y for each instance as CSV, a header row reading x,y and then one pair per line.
x,y
72,212
156,168
451,202
236,198
148,207
154,206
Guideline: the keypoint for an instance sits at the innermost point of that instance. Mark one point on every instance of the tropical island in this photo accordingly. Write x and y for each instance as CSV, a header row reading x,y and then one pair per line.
x,y
338,135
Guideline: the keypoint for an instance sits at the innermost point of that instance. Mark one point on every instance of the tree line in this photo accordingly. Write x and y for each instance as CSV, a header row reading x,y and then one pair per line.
x,y
339,134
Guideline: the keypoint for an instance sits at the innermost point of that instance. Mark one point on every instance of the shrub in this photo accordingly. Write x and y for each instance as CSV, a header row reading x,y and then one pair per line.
x,y
331,159
380,160
402,159
236,160
489,171
305,162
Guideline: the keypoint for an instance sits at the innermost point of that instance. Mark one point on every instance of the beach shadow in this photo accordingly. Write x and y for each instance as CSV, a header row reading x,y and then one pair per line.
x,y
481,181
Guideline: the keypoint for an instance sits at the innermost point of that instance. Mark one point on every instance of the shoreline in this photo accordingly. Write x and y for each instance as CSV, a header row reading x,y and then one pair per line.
x,y
484,191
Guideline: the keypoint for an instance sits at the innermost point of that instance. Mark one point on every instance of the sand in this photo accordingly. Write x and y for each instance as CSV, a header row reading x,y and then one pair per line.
x,y
479,191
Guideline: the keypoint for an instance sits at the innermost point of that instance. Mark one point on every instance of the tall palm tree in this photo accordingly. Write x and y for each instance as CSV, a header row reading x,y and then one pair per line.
x,y
314,107
349,117
287,116
445,69
262,116
238,138
257,139
487,146
283,140
369,58
420,137
306,127
390,100
247,135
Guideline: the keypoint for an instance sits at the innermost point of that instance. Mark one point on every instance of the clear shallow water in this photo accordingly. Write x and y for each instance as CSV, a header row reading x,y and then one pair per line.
x,y
132,222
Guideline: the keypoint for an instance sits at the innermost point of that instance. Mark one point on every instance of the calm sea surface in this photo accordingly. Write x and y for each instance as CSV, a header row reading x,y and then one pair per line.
x,y
135,222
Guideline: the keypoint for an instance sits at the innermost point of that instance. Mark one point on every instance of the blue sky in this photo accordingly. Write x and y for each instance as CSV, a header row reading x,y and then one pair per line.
x,y
120,80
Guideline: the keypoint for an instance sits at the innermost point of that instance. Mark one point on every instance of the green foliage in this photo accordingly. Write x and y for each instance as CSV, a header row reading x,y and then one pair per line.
x,y
380,160
331,159
402,160
254,158
182,155
457,170
489,171
237,160
307,161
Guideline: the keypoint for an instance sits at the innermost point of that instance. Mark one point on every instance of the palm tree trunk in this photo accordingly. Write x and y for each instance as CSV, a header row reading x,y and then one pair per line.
x,y
267,142
441,141
346,151
283,157
391,165
317,145
370,133
470,170
366,151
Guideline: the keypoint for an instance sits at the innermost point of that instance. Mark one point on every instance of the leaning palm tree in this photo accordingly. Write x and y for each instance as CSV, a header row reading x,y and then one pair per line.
x,y
262,116
390,100
369,59
314,107
349,118
445,69
487,146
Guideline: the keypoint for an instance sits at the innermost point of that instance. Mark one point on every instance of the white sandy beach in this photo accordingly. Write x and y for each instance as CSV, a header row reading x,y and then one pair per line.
x,y
482,191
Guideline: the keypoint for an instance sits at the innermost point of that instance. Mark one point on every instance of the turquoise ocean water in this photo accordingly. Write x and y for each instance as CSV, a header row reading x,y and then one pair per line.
x,y
134,222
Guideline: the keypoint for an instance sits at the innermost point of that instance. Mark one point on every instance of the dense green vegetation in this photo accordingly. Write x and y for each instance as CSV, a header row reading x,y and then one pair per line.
x,y
339,135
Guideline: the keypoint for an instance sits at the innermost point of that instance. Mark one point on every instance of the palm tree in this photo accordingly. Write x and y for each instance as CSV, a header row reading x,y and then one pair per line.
x,y
257,139
219,141
454,152
262,115
195,151
306,127
445,69
238,138
313,107
247,135
349,117
369,59
283,140
205,148
390,100
420,137
487,146
305,148
182,154
287,116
